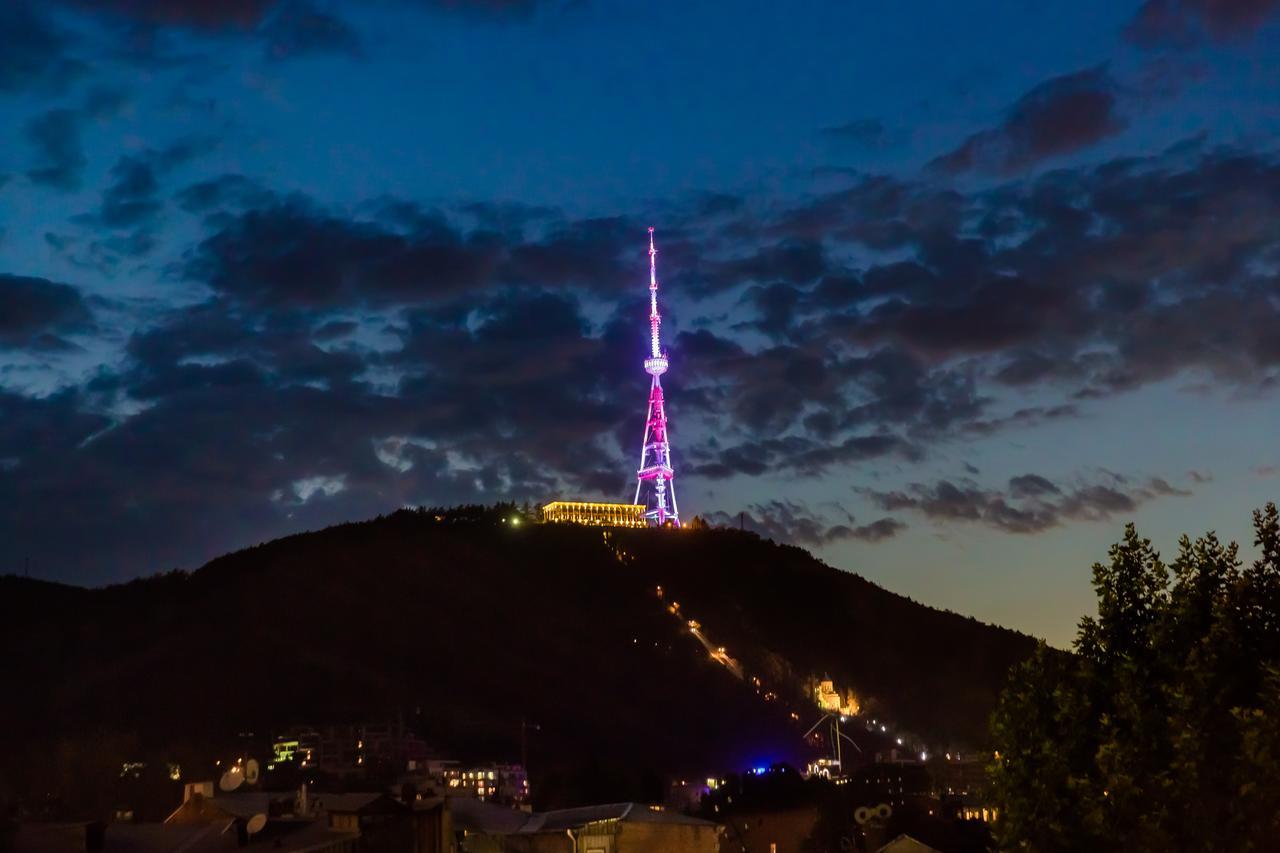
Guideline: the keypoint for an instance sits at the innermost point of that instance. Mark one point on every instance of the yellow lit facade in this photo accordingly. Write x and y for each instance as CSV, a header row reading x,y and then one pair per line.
x,y
595,514
829,699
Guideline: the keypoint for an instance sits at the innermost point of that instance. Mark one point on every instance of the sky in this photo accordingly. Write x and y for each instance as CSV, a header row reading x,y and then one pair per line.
x,y
951,292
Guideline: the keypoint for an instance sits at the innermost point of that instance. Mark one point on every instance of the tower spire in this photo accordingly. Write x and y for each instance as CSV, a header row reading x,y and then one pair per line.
x,y
655,320
655,453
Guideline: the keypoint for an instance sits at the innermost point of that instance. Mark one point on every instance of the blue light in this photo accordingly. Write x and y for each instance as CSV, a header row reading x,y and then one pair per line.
x,y
759,771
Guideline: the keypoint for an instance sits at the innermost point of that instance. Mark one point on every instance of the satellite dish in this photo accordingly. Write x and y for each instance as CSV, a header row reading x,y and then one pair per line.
x,y
232,779
251,771
256,823
862,814
883,811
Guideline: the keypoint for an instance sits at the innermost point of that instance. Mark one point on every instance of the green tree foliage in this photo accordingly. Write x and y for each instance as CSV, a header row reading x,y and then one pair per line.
x,y
1162,732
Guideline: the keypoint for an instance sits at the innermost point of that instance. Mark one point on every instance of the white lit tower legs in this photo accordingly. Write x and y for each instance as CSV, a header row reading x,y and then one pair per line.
x,y
655,455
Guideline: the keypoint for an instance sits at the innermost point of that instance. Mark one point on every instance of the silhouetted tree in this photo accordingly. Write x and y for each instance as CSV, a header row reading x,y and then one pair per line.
x,y
1162,732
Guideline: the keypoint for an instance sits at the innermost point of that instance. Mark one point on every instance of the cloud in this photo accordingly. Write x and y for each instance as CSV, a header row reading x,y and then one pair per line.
x,y
220,431
33,51
1032,486
287,29
55,135
797,454
1167,254
122,225
1030,504
865,134
794,521
877,531
132,198
291,254
490,351
299,29
36,312
231,190
494,8
198,14
1183,23
1059,116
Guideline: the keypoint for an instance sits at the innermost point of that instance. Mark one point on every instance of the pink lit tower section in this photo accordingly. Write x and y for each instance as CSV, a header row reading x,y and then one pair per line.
x,y
655,481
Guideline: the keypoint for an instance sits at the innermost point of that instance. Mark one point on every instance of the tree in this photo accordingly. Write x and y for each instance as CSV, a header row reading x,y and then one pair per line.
x,y
1162,731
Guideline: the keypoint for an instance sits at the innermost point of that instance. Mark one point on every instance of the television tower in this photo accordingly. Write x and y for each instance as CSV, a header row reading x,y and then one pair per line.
x,y
655,455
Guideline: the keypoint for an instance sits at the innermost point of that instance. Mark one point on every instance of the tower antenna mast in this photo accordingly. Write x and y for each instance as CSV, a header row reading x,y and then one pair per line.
x,y
655,454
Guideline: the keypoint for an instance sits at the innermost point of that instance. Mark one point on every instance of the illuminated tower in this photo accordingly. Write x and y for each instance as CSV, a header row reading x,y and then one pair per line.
x,y
655,456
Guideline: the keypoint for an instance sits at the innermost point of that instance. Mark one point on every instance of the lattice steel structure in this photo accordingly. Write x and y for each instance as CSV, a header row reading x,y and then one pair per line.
x,y
655,481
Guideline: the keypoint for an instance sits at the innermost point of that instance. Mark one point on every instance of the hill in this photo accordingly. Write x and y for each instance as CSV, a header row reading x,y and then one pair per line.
x,y
467,624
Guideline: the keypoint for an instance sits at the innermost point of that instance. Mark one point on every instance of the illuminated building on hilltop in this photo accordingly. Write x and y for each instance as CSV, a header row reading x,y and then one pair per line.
x,y
595,514
656,471
829,699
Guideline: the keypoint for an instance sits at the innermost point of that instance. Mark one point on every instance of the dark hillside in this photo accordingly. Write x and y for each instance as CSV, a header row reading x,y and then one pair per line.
x,y
466,627
932,671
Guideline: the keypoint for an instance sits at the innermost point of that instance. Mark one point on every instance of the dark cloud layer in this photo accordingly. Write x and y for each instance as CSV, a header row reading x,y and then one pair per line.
x,y
1092,280
299,29
1183,23
246,14
290,253
35,313
866,134
60,160
33,51
1029,504
1057,117
287,29
121,228
323,363
201,14
795,522
344,364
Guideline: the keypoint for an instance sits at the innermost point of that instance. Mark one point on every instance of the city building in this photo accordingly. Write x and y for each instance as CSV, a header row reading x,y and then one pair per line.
x,y
686,794
225,836
830,699
782,830
507,784
348,748
595,514
907,844
480,827
307,821
898,783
